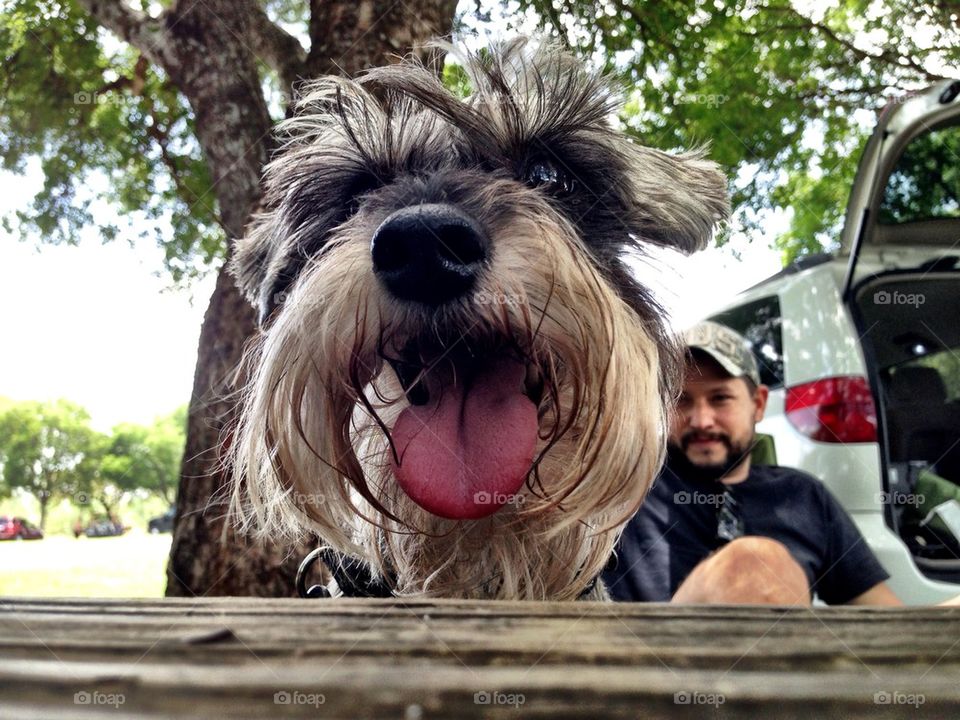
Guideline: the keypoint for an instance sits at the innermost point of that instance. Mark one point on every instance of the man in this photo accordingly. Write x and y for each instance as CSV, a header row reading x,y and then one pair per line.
x,y
714,529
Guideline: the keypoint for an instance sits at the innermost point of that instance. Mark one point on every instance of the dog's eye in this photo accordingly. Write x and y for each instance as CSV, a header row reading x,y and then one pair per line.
x,y
359,187
550,176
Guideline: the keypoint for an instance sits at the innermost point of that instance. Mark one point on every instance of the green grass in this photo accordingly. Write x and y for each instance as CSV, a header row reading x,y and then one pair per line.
x,y
132,565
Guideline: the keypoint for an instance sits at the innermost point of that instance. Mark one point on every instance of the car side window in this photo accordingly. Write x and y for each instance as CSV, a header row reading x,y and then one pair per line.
x,y
760,323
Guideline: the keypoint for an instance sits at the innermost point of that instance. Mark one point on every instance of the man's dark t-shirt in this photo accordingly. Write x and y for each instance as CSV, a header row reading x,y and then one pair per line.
x,y
676,528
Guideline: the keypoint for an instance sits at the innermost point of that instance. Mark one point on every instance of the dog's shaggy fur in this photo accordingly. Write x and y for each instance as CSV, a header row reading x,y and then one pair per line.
x,y
531,157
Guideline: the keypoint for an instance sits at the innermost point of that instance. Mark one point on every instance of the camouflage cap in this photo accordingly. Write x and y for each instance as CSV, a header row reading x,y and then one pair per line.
x,y
727,347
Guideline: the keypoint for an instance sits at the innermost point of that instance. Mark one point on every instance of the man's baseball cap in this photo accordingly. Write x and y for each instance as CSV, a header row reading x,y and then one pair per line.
x,y
727,347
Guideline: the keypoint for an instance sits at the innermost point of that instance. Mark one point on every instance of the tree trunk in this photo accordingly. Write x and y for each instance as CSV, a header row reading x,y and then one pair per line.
x,y
218,75
44,500
221,82
349,37
210,51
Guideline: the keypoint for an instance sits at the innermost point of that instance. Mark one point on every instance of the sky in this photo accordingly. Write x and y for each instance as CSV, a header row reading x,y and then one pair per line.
x,y
93,323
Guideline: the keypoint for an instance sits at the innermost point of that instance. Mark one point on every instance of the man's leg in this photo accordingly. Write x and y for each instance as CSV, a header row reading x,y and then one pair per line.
x,y
750,571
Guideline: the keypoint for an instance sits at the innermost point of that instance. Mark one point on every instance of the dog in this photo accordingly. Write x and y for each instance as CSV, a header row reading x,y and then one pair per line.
x,y
459,385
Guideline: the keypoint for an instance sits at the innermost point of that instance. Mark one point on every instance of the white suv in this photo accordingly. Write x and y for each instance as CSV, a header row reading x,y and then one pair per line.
x,y
861,349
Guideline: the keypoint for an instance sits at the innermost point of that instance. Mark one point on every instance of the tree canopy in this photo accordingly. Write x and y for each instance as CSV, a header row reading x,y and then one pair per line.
x,y
137,457
48,450
42,447
105,125
785,93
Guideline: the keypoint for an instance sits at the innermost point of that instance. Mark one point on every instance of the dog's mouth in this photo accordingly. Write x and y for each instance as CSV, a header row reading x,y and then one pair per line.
x,y
465,444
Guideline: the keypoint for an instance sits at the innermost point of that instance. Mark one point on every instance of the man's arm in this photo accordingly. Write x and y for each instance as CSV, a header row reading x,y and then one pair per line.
x,y
879,594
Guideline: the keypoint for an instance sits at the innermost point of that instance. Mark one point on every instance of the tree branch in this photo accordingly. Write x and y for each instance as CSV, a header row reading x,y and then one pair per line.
x,y
276,47
162,138
145,33
887,56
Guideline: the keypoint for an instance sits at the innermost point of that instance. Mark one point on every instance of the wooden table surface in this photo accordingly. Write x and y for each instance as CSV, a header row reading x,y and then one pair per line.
x,y
256,658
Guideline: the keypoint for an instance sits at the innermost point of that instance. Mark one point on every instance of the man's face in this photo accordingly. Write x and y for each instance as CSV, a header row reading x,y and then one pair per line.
x,y
713,424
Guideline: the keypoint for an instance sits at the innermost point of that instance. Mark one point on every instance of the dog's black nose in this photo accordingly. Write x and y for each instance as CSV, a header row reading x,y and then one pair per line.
x,y
429,253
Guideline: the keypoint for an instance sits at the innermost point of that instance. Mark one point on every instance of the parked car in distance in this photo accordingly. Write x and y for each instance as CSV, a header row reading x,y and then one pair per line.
x,y
162,523
861,349
104,527
18,528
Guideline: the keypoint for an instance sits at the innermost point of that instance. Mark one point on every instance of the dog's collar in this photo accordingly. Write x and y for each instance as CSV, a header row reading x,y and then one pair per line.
x,y
352,576
355,580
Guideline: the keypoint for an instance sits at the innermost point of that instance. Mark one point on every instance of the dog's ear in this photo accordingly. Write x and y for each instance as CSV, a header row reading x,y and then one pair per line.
x,y
683,197
254,265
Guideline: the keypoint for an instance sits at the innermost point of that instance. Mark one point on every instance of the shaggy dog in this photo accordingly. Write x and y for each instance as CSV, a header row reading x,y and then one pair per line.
x,y
459,385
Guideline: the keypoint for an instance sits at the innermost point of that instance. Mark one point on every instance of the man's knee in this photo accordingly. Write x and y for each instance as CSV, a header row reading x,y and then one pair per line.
x,y
753,553
749,570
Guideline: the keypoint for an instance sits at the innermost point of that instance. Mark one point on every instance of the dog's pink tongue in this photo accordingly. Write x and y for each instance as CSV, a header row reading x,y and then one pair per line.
x,y
466,452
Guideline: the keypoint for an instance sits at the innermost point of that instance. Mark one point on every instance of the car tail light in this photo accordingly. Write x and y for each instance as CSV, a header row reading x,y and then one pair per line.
x,y
833,410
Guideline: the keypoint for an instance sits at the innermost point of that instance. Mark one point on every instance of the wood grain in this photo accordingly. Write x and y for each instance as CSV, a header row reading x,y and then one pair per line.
x,y
230,657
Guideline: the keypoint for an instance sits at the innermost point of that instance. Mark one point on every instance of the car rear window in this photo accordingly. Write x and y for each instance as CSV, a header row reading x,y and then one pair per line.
x,y
925,182
760,323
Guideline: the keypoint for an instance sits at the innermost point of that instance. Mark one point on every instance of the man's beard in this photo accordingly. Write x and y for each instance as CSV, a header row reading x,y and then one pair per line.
x,y
678,461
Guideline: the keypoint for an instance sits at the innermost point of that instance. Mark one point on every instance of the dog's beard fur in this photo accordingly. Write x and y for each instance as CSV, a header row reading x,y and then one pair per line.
x,y
312,450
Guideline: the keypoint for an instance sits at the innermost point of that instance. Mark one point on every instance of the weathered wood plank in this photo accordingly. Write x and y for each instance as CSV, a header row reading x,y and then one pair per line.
x,y
423,659
602,634
360,689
